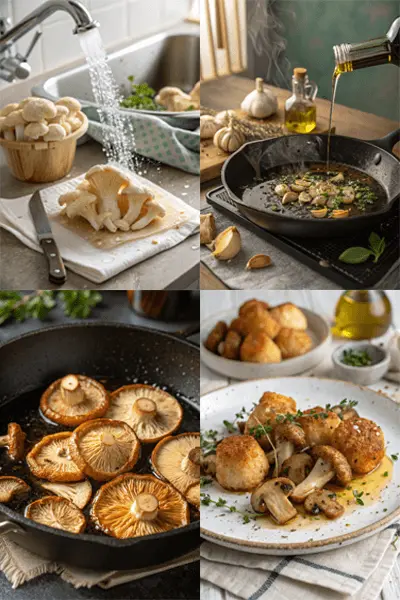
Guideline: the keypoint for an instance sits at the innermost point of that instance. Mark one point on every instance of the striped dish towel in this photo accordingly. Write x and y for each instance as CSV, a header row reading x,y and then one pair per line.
x,y
357,571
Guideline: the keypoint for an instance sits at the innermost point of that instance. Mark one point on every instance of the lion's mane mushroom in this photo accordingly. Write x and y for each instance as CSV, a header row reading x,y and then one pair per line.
x,y
38,109
133,198
330,464
152,413
12,487
74,399
14,441
81,204
288,437
16,121
293,342
297,467
272,497
104,448
319,426
289,315
34,131
254,320
346,413
265,413
79,493
258,347
137,505
230,347
241,464
362,442
177,459
150,211
324,501
107,181
216,336
57,512
249,305
50,459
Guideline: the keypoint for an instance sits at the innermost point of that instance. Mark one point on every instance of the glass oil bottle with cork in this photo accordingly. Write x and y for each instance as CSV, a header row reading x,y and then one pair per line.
x,y
362,315
300,108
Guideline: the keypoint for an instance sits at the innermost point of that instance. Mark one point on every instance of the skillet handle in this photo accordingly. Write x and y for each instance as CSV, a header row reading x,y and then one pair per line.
x,y
10,527
389,141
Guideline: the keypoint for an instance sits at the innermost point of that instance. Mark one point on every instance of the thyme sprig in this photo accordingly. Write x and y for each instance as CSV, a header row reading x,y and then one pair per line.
x,y
206,500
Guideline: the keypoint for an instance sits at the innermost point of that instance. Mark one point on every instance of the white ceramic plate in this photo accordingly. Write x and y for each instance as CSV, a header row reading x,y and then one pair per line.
x,y
316,535
318,329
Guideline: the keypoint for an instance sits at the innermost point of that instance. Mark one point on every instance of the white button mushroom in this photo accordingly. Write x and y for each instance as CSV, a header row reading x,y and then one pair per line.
x,y
38,109
74,117
8,109
56,133
15,120
7,132
34,131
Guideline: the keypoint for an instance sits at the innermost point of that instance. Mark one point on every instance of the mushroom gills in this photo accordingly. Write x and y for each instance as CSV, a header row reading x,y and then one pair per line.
x,y
272,497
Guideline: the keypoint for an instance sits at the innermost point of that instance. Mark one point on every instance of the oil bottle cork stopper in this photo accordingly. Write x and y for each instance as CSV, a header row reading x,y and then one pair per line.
x,y
299,72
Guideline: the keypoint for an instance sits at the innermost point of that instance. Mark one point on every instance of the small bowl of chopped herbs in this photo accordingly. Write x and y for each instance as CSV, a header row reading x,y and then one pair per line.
x,y
362,363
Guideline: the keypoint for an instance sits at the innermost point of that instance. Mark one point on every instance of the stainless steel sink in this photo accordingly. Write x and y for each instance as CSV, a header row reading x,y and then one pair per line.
x,y
164,59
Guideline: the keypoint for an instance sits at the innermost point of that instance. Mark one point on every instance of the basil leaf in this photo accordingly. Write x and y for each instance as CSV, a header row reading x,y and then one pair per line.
x,y
355,255
374,241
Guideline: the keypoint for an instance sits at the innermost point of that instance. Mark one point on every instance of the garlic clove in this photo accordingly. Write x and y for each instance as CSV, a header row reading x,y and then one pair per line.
x,y
258,261
289,197
208,230
340,214
227,244
319,213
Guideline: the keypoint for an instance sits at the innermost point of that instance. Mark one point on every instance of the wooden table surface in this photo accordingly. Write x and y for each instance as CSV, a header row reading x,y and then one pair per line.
x,y
228,92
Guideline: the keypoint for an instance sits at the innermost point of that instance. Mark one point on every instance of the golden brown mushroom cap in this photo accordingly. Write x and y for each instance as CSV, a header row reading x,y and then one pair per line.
x,y
193,495
58,513
216,336
249,305
10,487
104,448
51,459
337,460
74,399
152,413
14,441
319,426
278,402
266,413
137,505
362,442
241,464
293,342
258,347
177,459
289,315
256,319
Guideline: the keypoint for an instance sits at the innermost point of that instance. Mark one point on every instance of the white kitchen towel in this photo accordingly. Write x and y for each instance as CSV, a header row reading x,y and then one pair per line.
x,y
357,571
95,264
21,566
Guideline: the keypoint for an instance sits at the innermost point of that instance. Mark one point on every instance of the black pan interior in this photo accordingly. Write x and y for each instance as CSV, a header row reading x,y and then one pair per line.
x,y
257,162
118,355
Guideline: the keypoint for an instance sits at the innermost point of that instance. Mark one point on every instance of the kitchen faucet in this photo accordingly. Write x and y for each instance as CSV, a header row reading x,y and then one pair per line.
x,y
15,66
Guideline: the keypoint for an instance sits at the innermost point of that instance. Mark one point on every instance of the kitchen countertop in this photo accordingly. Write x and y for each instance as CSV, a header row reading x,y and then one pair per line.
x,y
180,583
228,92
21,267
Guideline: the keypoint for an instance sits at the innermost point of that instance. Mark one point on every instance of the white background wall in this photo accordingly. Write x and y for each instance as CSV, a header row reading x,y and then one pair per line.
x,y
320,301
119,20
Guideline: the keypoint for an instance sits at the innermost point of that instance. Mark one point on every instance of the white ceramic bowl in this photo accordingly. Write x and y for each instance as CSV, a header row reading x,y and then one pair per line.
x,y
318,329
361,375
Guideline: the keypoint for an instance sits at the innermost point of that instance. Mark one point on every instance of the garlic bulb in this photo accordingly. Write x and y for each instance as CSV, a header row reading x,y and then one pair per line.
x,y
208,127
261,102
227,244
229,139
222,118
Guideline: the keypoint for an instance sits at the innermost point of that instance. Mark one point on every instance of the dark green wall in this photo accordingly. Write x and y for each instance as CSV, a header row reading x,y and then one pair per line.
x,y
313,27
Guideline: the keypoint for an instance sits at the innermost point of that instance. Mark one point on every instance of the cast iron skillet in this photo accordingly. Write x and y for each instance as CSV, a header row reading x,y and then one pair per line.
x,y
255,159
34,360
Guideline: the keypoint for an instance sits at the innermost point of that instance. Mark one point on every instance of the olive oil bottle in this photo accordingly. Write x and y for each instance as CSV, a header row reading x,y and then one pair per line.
x,y
300,108
362,315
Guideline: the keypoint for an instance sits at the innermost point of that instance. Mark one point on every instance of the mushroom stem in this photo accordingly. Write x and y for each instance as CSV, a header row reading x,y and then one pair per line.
x,y
145,407
191,463
145,507
319,476
108,439
284,450
71,390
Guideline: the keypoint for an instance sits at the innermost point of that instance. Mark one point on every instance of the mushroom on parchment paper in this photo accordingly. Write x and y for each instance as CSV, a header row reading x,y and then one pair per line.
x,y
136,505
57,512
50,459
10,487
74,399
152,413
104,448
14,441
177,459
79,493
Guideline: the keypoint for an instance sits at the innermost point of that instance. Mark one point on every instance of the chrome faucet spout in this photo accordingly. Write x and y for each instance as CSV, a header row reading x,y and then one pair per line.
x,y
78,12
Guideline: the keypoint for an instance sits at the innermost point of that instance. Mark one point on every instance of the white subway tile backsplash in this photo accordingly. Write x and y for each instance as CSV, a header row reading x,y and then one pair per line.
x,y
59,45
145,16
113,22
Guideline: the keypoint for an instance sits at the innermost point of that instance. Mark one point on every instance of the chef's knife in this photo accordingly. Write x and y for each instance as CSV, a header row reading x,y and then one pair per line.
x,y
57,272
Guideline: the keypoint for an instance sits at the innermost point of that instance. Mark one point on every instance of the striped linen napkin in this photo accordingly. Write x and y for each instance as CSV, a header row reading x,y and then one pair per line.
x,y
357,571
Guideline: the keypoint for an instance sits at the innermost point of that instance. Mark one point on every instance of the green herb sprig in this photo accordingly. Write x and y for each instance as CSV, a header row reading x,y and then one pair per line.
x,y
19,307
141,97
206,500
358,497
357,254
356,358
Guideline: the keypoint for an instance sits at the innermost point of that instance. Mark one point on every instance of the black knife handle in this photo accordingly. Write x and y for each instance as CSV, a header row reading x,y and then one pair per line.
x,y
57,272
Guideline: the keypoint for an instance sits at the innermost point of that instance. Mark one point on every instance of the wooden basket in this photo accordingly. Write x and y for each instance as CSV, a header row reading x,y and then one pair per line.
x,y
42,162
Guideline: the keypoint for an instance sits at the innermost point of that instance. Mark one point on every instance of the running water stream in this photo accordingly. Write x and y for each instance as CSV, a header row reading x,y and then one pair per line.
x,y
118,137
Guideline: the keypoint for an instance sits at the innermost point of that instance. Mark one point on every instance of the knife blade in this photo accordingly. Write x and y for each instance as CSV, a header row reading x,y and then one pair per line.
x,y
57,272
